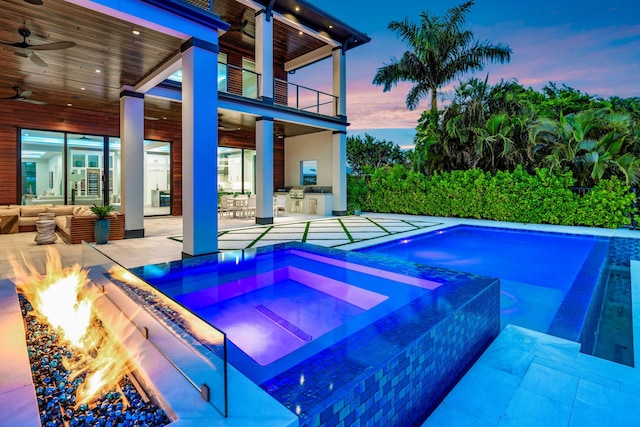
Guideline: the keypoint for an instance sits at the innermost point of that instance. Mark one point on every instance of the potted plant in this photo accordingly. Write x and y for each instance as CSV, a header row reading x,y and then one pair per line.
x,y
101,227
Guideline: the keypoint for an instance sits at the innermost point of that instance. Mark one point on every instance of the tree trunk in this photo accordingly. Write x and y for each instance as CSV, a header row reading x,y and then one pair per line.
x,y
434,106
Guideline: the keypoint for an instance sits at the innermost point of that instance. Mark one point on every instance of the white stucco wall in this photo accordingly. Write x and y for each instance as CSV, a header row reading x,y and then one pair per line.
x,y
315,146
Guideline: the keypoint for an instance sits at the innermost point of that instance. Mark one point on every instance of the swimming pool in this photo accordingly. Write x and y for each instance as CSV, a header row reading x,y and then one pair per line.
x,y
548,280
336,335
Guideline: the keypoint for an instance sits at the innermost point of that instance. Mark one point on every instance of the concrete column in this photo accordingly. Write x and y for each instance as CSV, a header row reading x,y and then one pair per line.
x,y
264,53
340,81
339,178
132,151
199,148
264,170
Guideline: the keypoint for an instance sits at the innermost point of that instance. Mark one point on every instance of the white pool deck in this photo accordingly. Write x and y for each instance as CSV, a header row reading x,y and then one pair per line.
x,y
525,378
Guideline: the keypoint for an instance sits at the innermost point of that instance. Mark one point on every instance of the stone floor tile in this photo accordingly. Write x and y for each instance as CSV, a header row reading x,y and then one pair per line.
x,y
531,409
551,383
484,392
446,415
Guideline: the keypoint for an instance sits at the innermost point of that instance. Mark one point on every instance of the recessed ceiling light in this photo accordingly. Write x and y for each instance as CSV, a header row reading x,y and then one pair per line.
x,y
136,32
300,32
297,8
83,88
69,105
330,26
98,71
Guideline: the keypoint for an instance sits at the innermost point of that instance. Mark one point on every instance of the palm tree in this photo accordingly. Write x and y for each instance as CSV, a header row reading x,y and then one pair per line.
x,y
440,50
592,143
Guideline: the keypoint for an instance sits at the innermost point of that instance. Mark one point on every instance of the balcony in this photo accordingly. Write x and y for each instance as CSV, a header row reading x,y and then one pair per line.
x,y
246,83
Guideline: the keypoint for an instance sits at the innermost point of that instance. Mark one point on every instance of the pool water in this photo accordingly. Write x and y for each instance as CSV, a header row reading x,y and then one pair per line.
x,y
277,309
537,270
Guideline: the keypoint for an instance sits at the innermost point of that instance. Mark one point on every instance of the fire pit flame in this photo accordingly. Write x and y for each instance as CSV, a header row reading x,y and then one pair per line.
x,y
62,299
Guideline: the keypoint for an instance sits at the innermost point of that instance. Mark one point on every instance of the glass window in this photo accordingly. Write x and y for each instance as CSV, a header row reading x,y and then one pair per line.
x,y
222,72
85,170
249,79
309,172
42,171
115,168
157,178
249,171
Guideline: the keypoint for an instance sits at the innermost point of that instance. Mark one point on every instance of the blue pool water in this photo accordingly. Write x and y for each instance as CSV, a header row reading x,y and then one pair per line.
x,y
541,274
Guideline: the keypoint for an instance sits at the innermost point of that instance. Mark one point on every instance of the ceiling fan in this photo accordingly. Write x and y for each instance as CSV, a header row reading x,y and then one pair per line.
x,y
226,127
244,29
23,95
25,49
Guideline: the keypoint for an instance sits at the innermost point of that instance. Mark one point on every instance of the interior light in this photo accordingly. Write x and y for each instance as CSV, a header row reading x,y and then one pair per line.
x,y
330,26
82,88
69,105
136,32
98,71
300,32
297,8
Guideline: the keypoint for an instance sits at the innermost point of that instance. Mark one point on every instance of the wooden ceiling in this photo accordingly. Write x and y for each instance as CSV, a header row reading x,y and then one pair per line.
x,y
102,43
107,54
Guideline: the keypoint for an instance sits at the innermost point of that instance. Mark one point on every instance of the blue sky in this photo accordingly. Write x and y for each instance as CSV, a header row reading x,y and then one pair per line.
x,y
593,46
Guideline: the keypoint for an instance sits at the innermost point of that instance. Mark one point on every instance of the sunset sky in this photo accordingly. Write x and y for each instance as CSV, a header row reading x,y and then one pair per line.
x,y
590,45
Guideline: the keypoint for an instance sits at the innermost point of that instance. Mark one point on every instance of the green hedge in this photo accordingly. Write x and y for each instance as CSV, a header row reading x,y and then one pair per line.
x,y
544,198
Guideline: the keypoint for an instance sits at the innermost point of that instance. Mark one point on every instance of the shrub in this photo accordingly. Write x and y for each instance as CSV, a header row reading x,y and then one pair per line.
x,y
517,196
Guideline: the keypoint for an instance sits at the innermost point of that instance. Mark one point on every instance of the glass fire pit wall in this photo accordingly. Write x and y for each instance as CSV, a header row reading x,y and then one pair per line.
x,y
208,345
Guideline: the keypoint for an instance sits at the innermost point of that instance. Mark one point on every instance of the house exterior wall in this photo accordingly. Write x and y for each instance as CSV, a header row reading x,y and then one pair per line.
x,y
316,146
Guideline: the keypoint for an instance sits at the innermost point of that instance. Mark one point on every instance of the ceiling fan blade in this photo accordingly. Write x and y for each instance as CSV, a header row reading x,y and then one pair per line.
x,y
53,46
31,101
20,53
20,45
24,94
37,60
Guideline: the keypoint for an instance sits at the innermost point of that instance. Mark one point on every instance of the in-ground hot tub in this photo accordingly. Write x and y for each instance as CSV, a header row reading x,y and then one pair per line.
x,y
335,335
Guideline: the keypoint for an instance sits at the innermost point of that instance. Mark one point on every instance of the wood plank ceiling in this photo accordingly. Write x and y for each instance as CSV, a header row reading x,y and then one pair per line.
x,y
108,44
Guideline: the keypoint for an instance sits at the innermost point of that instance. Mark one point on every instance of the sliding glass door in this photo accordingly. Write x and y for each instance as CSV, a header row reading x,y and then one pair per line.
x,y
66,168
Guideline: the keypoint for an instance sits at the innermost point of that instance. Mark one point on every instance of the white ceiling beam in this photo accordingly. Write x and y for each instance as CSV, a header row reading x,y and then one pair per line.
x,y
159,74
165,93
308,58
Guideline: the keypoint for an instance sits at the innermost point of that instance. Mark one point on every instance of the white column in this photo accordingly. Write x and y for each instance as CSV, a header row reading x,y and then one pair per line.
x,y
339,178
199,148
340,81
264,170
132,150
264,53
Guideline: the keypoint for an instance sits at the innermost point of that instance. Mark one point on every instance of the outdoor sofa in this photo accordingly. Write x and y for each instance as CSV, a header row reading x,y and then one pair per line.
x,y
73,222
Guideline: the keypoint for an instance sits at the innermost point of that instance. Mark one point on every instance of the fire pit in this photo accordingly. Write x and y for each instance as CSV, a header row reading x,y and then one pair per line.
x,y
80,373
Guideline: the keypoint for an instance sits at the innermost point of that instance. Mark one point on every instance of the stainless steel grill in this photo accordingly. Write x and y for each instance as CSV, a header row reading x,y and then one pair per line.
x,y
297,192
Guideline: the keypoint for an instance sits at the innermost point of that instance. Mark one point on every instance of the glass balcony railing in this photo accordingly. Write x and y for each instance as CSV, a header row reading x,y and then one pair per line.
x,y
304,98
243,82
